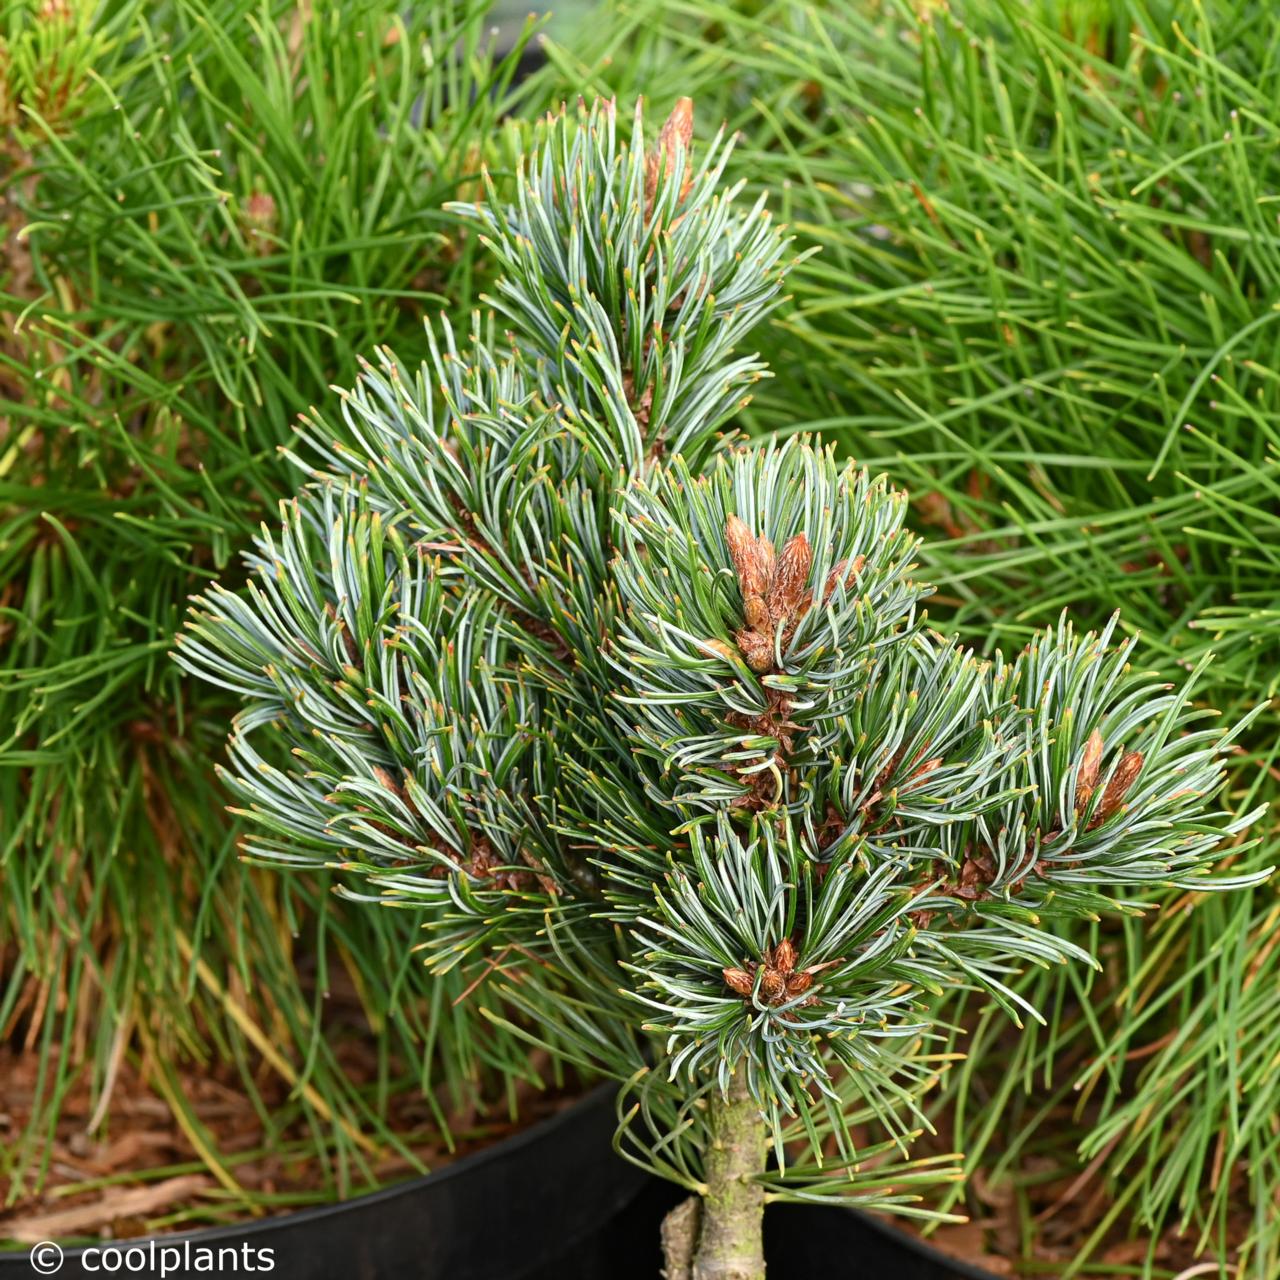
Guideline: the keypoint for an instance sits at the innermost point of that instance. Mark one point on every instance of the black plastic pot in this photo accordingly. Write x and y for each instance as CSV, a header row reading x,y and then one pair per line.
x,y
552,1203
807,1240
804,1242
548,1204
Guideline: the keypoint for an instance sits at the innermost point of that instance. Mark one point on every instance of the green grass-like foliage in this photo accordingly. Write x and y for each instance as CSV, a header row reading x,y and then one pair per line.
x,y
209,209
652,719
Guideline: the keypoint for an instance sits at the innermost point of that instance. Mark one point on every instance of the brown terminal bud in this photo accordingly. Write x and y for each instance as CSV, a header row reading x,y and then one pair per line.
x,y
388,782
739,540
1087,778
757,650
784,956
676,136
773,986
756,613
790,578
846,572
924,770
1121,781
798,983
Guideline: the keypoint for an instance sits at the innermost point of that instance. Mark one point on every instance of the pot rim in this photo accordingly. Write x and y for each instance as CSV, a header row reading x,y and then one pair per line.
x,y
918,1244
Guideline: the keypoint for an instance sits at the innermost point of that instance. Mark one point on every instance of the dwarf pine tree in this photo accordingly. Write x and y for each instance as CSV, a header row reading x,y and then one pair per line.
x,y
649,724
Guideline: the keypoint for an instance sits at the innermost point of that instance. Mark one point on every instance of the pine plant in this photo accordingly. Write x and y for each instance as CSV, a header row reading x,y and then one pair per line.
x,y
650,721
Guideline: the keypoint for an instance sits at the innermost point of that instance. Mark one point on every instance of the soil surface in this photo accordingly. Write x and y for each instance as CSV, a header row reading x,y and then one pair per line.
x,y
1051,1207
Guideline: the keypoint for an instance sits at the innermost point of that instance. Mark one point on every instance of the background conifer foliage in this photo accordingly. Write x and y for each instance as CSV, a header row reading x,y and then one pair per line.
x,y
208,210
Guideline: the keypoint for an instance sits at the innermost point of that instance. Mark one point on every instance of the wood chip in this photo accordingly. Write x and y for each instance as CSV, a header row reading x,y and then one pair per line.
x,y
115,1203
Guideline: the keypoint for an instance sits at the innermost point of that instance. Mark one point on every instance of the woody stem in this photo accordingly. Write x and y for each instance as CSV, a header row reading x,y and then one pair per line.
x,y
730,1238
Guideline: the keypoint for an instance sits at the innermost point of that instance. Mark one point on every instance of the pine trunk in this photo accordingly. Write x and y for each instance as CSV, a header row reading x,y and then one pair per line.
x,y
731,1231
